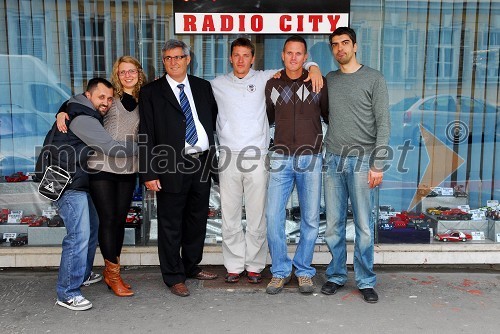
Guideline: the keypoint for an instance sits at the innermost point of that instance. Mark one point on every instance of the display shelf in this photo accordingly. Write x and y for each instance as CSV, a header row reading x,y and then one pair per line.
x,y
404,236
449,201
494,230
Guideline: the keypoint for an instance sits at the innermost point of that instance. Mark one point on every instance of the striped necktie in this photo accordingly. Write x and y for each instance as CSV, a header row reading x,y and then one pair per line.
x,y
191,135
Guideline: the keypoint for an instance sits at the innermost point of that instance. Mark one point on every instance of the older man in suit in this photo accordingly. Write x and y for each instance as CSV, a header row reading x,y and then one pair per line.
x,y
177,114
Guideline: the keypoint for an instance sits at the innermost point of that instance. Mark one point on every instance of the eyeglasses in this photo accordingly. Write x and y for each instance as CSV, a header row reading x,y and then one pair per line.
x,y
176,58
132,71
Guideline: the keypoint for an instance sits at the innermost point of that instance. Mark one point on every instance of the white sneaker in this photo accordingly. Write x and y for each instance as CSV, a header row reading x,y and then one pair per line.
x,y
78,303
93,278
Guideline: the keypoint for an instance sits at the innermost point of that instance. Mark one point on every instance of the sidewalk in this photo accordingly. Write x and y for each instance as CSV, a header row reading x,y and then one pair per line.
x,y
412,300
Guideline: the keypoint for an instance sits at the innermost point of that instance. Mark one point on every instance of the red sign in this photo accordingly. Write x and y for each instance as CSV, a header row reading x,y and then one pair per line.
x,y
260,17
256,23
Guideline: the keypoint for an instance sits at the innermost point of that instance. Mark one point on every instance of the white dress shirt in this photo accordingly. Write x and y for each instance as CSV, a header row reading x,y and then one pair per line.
x,y
202,143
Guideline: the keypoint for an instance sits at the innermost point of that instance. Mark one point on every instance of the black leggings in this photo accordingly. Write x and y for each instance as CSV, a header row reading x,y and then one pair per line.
x,y
112,195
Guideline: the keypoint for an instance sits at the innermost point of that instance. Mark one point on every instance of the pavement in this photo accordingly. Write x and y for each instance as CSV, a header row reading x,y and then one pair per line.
x,y
412,300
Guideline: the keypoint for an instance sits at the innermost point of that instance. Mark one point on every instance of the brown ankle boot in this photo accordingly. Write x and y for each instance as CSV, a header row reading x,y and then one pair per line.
x,y
112,278
128,286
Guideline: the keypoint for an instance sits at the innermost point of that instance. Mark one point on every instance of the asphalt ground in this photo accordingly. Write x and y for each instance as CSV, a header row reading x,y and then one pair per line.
x,y
412,300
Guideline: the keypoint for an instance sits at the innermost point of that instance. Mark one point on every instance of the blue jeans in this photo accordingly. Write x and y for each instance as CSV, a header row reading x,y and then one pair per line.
x,y
347,177
79,245
305,172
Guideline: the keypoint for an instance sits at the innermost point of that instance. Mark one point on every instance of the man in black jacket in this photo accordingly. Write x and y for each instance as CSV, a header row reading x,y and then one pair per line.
x,y
177,113
86,133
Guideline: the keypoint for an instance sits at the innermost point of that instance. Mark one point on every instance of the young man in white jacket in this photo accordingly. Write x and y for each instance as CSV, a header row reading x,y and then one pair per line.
x,y
243,133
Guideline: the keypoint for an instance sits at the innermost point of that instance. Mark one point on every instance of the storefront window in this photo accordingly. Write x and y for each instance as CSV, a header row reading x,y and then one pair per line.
x,y
440,59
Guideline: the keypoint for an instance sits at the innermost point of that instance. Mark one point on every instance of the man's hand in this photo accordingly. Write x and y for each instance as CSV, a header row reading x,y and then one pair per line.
x,y
375,178
62,117
153,185
316,78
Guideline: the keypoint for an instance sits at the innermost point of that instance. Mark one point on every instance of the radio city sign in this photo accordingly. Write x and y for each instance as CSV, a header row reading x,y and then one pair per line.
x,y
259,17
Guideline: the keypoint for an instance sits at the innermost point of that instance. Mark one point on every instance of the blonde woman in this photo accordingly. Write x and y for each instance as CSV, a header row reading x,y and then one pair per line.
x,y
113,180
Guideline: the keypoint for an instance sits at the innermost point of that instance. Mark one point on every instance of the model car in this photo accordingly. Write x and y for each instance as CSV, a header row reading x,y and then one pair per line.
x,y
453,235
27,219
38,222
454,214
20,240
16,177
437,210
419,224
459,191
412,215
133,216
55,221
493,214
213,212
4,216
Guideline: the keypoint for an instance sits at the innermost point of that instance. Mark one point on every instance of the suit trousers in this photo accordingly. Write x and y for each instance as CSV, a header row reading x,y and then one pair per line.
x,y
242,176
182,225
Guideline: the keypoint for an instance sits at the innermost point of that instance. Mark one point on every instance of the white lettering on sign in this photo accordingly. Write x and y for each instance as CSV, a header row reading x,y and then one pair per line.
x,y
258,23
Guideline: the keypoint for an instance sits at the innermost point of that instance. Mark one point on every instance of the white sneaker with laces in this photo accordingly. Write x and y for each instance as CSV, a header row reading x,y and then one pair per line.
x,y
93,278
78,303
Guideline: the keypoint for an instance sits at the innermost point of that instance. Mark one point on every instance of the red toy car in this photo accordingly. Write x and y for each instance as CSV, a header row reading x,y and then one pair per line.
x,y
413,215
28,219
133,216
453,235
38,222
400,220
16,177
454,214
4,216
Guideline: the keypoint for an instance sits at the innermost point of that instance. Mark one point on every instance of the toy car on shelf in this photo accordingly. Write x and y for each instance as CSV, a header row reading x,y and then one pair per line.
x,y
39,221
453,235
55,221
27,219
454,214
20,240
419,224
213,212
412,215
16,177
459,191
133,216
399,220
493,214
4,216
437,210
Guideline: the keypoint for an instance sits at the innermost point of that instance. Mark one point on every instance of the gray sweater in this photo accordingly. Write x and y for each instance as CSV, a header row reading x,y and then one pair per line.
x,y
359,112
122,125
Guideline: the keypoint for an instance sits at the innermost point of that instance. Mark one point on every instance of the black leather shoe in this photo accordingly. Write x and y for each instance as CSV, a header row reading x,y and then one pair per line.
x,y
330,288
369,295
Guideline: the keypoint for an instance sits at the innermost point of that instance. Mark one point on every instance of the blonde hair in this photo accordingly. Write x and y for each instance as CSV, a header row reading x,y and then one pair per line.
x,y
115,80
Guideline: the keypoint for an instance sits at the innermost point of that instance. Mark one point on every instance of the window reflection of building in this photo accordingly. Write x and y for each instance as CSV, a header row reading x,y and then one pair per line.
x,y
424,49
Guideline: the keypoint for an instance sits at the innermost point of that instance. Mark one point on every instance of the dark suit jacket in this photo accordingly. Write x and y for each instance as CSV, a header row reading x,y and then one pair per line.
x,y
164,124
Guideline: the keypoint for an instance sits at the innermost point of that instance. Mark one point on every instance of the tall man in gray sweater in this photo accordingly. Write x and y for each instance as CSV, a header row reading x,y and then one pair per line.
x,y
358,132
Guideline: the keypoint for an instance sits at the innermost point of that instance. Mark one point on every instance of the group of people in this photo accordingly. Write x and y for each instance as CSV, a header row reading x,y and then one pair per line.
x,y
165,131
